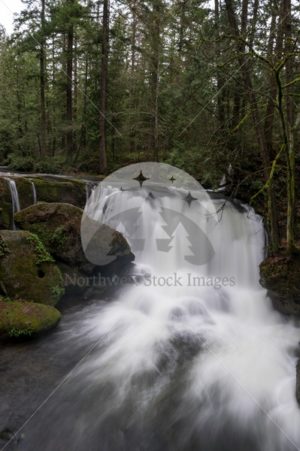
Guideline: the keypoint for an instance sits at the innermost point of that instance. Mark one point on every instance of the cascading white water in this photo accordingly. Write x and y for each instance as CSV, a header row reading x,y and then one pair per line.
x,y
15,202
89,186
192,357
34,193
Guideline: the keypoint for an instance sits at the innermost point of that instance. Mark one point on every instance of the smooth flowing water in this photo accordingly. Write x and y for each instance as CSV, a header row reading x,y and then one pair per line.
x,y
15,201
34,193
190,355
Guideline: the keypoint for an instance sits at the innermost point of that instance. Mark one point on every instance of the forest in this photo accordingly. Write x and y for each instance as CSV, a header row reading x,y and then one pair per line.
x,y
212,87
149,225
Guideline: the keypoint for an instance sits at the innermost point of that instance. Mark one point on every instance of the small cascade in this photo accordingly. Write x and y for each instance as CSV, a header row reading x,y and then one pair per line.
x,y
191,356
34,193
15,201
89,189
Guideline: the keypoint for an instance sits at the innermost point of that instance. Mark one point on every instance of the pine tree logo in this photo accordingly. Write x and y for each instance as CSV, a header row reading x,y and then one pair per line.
x,y
182,232
172,197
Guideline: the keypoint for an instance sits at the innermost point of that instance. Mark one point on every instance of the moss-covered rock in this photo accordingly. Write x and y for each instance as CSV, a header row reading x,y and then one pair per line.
x,y
5,205
25,191
281,276
58,227
25,319
51,190
27,270
47,190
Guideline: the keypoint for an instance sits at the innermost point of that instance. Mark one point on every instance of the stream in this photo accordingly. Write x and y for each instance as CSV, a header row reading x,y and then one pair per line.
x,y
189,355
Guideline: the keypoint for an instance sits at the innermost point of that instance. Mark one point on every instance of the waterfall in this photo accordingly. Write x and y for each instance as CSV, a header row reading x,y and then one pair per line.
x,y
15,202
34,193
89,186
190,355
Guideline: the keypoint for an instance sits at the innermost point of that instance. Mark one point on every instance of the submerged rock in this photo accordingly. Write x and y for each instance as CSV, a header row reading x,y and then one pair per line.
x,y
281,276
24,319
27,270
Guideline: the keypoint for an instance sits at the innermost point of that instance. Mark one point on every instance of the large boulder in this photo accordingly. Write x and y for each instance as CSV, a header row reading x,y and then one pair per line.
x,y
60,190
25,319
58,226
281,276
27,270
104,245
46,189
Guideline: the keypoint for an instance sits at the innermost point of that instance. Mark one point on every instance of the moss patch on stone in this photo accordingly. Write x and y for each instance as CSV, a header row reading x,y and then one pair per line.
x,y
281,276
26,319
49,190
28,271
42,255
58,226
24,188
6,205
3,248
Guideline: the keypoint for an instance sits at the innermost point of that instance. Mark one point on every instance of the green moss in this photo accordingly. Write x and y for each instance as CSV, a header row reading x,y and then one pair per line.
x,y
25,319
280,275
25,191
3,248
60,191
28,270
58,226
6,207
58,237
58,291
42,254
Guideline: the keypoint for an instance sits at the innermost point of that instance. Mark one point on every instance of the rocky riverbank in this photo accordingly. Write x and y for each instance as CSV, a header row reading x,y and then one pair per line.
x,y
41,255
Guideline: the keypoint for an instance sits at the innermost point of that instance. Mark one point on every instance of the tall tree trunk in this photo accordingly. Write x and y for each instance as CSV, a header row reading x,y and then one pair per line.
x,y
154,78
290,115
182,24
84,106
133,8
220,80
75,96
270,109
43,117
257,122
103,87
69,91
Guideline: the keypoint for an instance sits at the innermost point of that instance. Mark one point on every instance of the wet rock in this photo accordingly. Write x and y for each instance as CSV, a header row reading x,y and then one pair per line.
x,y
6,205
298,382
24,319
280,275
104,245
27,270
47,189
51,190
58,227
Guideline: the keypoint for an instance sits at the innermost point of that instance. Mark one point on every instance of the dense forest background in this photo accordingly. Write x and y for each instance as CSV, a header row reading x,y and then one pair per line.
x,y
209,86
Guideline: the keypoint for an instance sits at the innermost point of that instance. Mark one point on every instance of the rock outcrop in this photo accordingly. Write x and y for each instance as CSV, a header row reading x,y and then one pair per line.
x,y
27,270
20,319
281,277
